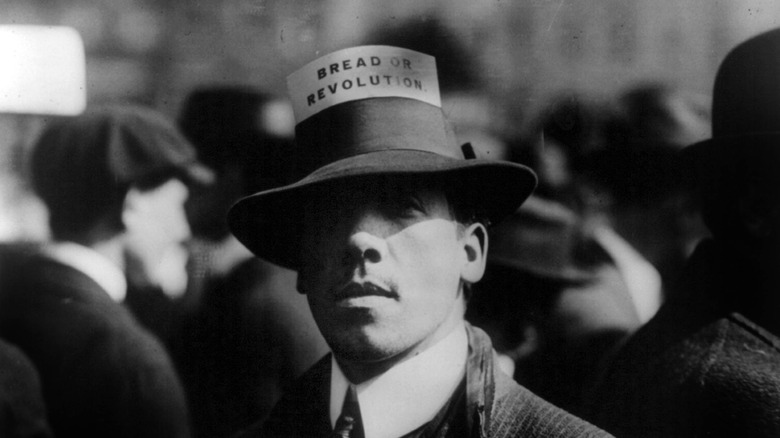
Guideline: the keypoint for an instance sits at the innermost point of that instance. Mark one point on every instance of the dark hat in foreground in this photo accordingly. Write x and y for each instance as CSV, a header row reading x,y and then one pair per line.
x,y
85,163
363,112
745,108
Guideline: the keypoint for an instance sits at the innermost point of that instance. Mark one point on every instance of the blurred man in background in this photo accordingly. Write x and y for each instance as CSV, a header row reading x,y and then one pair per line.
x,y
638,180
33,86
114,180
251,335
708,364
558,145
552,301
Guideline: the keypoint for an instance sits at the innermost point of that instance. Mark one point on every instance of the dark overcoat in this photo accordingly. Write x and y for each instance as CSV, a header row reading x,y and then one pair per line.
x,y
701,367
251,338
102,374
22,411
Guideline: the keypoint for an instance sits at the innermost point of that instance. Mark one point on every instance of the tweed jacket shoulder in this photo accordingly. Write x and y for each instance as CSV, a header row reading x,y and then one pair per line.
x,y
496,404
699,368
102,374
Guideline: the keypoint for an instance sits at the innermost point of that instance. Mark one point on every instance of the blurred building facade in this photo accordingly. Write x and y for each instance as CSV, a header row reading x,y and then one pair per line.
x,y
154,51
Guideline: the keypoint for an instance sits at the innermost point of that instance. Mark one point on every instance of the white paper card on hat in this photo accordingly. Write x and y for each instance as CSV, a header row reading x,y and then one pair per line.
x,y
361,73
44,70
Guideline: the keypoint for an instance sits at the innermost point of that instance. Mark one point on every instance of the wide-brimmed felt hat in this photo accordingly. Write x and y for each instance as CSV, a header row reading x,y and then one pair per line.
x,y
365,112
745,111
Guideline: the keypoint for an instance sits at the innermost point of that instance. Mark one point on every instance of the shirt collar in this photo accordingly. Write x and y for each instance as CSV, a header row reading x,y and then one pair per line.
x,y
409,394
92,264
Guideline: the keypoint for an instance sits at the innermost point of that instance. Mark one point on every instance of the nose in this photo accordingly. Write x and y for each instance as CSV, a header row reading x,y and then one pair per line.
x,y
367,247
367,238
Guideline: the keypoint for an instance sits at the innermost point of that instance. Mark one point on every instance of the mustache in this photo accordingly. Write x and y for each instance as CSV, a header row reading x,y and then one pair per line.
x,y
353,290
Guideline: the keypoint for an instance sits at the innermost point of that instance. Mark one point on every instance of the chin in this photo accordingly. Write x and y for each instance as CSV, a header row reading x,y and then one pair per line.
x,y
363,346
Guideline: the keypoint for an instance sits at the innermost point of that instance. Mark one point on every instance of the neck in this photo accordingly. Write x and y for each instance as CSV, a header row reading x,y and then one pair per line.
x,y
357,372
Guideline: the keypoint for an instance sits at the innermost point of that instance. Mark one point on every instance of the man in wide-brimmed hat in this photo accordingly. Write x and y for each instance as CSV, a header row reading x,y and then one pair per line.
x,y
709,363
386,231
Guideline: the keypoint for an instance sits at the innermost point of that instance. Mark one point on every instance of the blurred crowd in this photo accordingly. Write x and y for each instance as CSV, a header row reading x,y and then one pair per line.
x,y
140,314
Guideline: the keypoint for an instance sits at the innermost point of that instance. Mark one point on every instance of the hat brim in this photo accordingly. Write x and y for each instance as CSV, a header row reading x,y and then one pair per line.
x,y
269,222
716,157
728,144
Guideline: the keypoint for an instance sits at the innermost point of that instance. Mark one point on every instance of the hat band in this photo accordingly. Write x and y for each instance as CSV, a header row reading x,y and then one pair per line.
x,y
373,125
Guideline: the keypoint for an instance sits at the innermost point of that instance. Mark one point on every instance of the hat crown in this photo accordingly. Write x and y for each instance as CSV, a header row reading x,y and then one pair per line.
x,y
372,125
368,99
746,98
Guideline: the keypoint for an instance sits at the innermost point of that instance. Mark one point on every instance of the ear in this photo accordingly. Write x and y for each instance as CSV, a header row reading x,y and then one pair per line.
x,y
475,245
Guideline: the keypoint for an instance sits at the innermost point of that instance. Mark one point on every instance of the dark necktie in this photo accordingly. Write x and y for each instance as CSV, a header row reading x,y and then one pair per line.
x,y
349,423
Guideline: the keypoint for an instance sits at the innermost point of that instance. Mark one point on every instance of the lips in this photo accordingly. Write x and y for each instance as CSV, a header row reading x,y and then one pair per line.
x,y
357,290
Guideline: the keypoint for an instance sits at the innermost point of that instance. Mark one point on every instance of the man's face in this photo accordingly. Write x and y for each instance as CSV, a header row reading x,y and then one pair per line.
x,y
382,266
157,230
